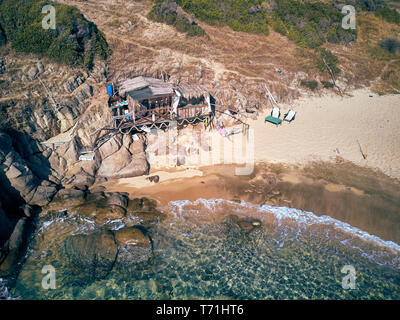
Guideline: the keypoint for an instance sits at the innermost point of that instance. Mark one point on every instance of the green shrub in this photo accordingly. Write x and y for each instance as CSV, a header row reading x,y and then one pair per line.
x,y
327,84
162,13
390,45
312,84
305,22
389,15
328,62
240,15
75,41
279,26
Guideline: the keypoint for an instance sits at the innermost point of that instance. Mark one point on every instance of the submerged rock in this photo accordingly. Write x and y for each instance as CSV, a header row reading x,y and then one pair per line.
x,y
91,256
15,247
123,158
135,245
117,199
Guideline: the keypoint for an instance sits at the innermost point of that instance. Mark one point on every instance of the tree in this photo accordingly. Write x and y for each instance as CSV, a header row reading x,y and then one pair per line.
x,y
328,62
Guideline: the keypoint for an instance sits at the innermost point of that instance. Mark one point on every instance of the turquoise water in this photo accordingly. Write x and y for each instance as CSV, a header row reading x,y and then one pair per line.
x,y
201,252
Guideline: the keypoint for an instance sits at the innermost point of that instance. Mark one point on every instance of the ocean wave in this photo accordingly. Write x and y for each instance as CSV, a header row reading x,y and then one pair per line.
x,y
300,222
4,292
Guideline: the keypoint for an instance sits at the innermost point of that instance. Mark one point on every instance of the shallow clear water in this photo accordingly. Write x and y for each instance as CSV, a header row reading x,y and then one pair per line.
x,y
202,253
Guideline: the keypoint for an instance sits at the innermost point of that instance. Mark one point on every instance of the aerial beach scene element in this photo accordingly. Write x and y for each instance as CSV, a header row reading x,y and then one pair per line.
x,y
191,150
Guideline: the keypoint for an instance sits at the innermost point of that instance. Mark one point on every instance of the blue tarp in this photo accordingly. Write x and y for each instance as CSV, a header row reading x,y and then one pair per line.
x,y
110,89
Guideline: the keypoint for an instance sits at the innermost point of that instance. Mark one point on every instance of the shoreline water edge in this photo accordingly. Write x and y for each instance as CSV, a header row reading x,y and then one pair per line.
x,y
339,198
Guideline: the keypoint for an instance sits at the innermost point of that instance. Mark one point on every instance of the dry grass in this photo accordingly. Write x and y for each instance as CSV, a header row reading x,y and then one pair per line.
x,y
228,58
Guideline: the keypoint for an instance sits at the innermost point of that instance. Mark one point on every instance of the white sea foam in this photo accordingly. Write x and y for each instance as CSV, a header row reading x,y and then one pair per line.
x,y
4,293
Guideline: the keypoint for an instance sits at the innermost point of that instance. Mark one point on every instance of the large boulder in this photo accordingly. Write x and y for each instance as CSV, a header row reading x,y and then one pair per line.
x,y
22,169
44,193
69,151
91,256
84,92
110,147
122,158
15,246
20,177
135,246
103,207
123,164
5,146
58,164
114,163
66,117
5,227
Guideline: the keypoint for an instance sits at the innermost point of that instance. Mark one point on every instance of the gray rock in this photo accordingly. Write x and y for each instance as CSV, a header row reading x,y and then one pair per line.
x,y
5,227
98,189
40,67
70,152
32,73
28,210
17,237
135,246
123,165
69,194
73,82
5,146
44,193
117,199
92,255
20,176
84,92
110,147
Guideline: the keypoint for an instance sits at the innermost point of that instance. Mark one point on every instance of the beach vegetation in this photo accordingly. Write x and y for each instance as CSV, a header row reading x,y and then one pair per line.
x,y
310,84
309,24
390,45
389,15
328,62
75,41
167,12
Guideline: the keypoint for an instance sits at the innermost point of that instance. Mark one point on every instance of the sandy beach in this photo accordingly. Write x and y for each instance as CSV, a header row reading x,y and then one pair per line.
x,y
330,126
314,163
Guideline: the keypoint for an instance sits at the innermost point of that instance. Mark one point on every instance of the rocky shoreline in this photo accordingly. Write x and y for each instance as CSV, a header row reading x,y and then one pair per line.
x,y
119,237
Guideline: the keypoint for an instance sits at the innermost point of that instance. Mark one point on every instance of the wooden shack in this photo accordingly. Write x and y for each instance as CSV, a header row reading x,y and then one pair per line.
x,y
145,101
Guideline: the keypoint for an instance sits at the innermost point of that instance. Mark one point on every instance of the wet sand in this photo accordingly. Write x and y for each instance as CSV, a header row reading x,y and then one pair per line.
x,y
330,126
364,198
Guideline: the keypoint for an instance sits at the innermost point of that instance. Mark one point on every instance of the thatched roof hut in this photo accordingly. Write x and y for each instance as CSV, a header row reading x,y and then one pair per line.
x,y
192,91
141,88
